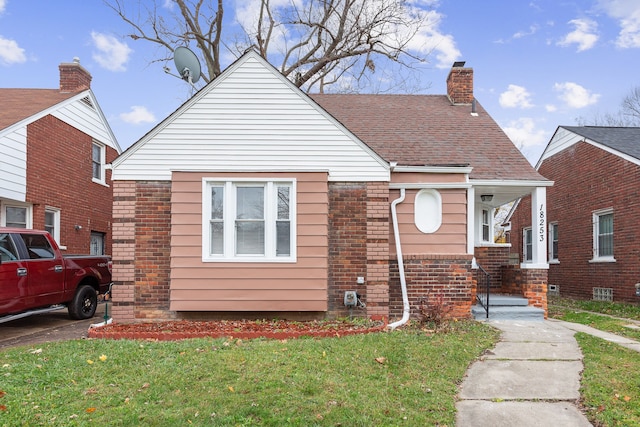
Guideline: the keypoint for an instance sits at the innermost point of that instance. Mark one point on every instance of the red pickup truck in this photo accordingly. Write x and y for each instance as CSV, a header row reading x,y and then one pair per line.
x,y
34,276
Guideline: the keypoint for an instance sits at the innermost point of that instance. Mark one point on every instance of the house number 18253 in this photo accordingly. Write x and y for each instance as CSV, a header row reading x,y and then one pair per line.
x,y
541,223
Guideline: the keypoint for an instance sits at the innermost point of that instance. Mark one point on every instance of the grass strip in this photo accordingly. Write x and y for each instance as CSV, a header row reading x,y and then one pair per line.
x,y
609,386
403,377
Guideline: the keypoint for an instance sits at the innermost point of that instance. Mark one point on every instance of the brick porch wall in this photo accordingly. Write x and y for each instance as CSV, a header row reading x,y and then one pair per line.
x,y
529,283
435,276
492,258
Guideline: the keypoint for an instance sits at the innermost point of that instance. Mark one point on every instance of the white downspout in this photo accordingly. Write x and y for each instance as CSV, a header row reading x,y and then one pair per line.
x,y
403,281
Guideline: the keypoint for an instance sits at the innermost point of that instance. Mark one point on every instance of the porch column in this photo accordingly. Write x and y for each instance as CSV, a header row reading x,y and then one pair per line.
x,y
471,222
539,229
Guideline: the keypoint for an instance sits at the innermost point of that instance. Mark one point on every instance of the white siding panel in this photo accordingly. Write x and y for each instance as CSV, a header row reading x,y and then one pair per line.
x,y
86,119
251,120
13,165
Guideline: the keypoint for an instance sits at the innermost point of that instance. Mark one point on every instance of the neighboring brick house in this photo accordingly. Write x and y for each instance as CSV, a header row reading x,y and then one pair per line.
x,y
255,199
593,211
55,145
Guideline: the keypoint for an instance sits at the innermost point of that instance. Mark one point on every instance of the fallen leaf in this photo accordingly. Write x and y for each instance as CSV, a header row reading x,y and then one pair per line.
x,y
601,408
90,362
3,408
626,398
381,360
231,389
2,393
145,385
103,358
36,351
90,410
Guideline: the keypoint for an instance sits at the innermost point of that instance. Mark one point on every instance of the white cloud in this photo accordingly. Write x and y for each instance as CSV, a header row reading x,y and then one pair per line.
x,y
3,5
574,95
137,115
524,134
515,97
628,14
112,54
550,108
585,34
10,52
532,30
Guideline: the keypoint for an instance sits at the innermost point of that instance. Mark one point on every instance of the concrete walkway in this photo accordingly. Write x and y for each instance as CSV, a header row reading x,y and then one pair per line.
x,y
531,378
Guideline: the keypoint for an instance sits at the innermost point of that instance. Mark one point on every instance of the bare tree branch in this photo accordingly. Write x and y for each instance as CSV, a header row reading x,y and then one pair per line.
x,y
315,43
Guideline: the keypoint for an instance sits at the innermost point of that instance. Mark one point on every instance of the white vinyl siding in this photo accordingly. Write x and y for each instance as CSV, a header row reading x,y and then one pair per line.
x,y
250,113
13,165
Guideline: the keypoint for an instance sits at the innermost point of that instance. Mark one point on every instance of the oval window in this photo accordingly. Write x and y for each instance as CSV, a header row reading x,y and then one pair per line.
x,y
428,211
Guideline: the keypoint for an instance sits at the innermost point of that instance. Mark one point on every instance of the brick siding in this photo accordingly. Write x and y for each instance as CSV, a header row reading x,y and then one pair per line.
x,y
434,277
59,175
589,179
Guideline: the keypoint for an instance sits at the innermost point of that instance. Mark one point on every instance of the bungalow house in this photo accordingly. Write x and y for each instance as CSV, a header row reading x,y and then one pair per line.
x,y
255,199
592,213
55,145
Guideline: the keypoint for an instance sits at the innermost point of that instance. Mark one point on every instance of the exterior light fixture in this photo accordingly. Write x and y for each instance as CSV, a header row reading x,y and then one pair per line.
x,y
486,197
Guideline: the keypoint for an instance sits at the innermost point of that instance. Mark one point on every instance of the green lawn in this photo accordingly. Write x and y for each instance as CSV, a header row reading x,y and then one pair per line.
x,y
609,386
405,377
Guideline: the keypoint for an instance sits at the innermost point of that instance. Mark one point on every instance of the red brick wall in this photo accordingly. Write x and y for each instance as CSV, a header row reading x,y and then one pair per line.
x,y
529,283
434,276
153,249
347,244
589,179
492,258
59,175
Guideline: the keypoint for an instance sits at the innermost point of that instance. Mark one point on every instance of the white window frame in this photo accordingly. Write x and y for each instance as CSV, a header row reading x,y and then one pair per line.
x,y
527,255
229,219
101,179
488,225
29,213
553,226
56,222
596,231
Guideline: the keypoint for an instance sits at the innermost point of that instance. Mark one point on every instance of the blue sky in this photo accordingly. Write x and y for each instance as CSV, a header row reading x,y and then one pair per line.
x,y
537,64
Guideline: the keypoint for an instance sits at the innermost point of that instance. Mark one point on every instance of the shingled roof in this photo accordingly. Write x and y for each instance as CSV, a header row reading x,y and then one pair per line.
x,y
428,130
623,139
20,104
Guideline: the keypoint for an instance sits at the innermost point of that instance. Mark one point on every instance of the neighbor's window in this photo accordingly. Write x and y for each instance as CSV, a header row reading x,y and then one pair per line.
x,y
16,216
52,222
527,244
249,220
553,241
98,162
603,235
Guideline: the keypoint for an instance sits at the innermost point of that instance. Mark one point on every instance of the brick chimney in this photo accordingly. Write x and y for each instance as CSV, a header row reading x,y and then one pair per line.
x,y
460,84
73,77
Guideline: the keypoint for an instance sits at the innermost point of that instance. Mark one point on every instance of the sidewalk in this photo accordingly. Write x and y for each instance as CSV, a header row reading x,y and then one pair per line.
x,y
531,378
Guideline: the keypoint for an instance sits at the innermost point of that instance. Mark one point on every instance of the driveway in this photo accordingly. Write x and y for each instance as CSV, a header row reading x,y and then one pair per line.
x,y
47,327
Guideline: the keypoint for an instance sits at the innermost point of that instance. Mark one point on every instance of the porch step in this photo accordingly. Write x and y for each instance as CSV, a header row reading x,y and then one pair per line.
x,y
505,307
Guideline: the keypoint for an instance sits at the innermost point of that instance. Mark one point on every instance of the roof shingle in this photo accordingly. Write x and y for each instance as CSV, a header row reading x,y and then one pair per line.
x,y
427,130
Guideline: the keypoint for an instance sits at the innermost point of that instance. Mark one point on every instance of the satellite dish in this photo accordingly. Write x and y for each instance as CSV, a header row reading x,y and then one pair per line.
x,y
187,64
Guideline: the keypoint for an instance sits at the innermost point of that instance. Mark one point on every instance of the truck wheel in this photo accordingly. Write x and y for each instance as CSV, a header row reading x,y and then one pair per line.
x,y
84,303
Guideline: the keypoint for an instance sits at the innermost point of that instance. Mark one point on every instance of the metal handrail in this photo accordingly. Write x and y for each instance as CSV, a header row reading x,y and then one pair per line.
x,y
483,281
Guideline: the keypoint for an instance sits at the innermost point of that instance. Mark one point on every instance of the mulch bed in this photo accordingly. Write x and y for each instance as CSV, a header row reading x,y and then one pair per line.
x,y
239,329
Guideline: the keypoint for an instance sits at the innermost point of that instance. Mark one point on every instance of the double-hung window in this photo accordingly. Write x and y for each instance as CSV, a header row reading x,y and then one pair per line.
x,y
486,225
52,222
553,242
527,244
16,216
603,235
98,162
248,220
